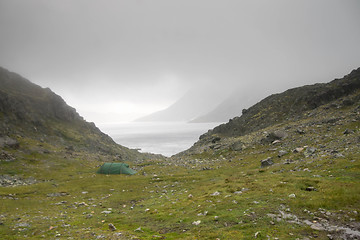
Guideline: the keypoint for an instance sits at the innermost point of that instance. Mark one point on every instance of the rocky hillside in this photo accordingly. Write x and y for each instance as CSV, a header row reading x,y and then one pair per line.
x,y
290,107
28,111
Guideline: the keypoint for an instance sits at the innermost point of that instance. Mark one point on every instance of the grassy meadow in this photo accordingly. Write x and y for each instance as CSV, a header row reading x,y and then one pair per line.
x,y
220,195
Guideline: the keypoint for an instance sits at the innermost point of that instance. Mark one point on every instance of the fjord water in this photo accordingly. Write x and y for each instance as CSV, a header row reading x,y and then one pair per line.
x,y
166,138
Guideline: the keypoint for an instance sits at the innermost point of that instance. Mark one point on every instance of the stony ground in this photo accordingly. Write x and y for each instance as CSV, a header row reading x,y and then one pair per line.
x,y
295,180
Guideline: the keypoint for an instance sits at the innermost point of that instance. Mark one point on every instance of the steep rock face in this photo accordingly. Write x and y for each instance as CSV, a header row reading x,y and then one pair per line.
x,y
21,99
289,105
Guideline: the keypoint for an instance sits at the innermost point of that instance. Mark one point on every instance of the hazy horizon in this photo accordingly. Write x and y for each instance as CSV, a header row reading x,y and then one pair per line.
x,y
115,61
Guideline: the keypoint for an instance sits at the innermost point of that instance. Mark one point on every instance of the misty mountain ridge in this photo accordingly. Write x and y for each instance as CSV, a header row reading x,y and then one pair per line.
x,y
231,107
207,104
193,104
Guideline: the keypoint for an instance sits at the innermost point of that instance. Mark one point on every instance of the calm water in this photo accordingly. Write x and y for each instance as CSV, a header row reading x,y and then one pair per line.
x,y
165,138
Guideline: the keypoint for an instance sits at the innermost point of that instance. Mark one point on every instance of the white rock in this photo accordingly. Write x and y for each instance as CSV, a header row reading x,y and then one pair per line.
x,y
138,230
196,222
215,194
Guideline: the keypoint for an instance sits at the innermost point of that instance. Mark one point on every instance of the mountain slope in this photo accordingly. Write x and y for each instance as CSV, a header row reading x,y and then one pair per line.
x,y
230,107
291,106
28,111
192,105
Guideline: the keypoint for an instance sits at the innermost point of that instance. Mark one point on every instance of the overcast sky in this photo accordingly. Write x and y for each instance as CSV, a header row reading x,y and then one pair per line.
x,y
116,60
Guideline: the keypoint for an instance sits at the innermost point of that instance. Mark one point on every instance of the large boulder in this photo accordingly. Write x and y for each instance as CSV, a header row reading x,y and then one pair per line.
x,y
9,142
237,146
276,135
266,162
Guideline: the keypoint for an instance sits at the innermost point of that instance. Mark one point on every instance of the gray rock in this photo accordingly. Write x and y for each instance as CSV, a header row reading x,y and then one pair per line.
x,y
310,189
339,155
138,230
276,135
22,225
280,134
216,146
348,102
266,162
331,120
69,148
347,131
215,139
299,149
9,142
112,227
237,146
282,153
317,226
57,194
61,203
300,131
288,161
309,151
5,156
45,151
13,181
215,194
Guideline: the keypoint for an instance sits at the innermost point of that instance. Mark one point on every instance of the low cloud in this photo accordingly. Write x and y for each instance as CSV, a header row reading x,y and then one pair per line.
x,y
150,53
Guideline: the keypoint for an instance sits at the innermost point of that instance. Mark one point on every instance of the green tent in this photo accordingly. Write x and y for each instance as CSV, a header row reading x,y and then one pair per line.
x,y
116,168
